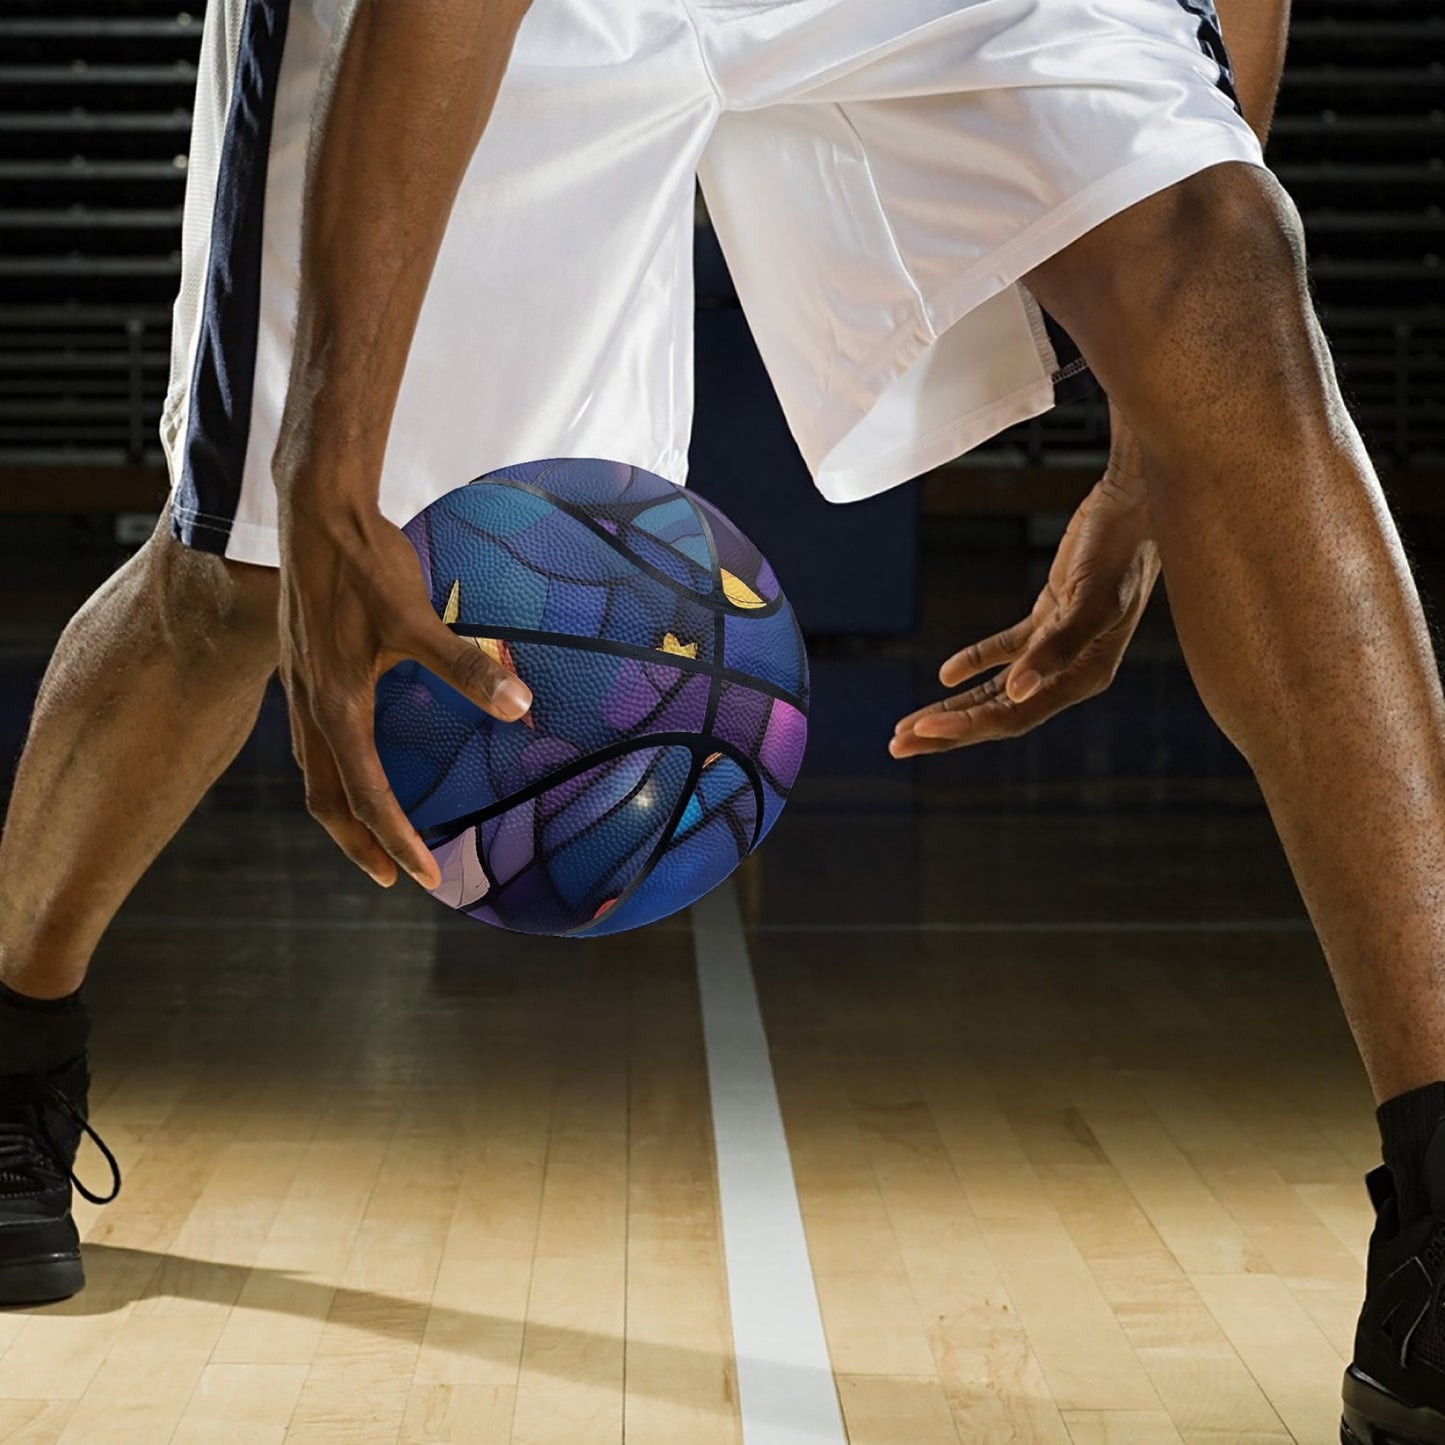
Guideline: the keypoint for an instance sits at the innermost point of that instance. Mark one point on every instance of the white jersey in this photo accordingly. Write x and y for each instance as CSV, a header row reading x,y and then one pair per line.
x,y
881,174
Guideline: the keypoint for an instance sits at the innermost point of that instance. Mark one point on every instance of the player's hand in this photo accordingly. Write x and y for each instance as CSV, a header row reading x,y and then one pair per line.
x,y
1069,647
353,604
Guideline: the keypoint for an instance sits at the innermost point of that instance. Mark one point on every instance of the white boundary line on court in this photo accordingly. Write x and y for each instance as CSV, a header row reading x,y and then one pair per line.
x,y
786,1394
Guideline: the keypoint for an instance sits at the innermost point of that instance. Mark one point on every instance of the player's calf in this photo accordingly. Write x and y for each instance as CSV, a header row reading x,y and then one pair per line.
x,y
151,689
150,692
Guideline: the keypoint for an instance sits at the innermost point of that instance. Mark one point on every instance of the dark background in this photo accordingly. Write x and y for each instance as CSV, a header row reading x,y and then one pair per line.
x,y
94,124
1070,972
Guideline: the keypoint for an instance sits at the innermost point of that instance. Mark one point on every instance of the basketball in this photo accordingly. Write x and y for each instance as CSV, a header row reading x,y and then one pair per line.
x,y
670,687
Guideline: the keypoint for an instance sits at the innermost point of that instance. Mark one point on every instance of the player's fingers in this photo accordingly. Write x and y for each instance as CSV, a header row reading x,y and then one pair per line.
x,y
987,723
1055,649
346,729
905,724
458,660
912,746
909,742
1000,716
993,651
957,702
326,798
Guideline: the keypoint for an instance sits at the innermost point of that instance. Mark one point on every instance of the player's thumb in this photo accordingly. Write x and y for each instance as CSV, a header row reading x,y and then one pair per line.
x,y
494,688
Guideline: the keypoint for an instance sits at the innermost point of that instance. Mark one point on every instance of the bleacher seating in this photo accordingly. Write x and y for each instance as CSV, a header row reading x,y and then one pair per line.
x,y
94,122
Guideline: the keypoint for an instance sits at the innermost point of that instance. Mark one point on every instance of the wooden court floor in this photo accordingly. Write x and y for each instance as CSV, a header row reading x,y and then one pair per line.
x,y
1076,1129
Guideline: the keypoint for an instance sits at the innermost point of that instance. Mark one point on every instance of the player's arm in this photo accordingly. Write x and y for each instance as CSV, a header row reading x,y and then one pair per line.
x,y
1071,644
1255,32
409,87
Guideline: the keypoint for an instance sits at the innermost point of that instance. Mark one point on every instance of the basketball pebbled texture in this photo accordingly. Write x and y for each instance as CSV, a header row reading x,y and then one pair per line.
x,y
670,699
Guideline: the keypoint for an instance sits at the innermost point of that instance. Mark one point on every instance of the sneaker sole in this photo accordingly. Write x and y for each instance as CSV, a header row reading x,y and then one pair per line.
x,y
1373,1416
41,1281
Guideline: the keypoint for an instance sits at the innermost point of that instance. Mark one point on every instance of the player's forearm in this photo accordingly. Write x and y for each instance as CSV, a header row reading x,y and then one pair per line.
x,y
1255,32
410,88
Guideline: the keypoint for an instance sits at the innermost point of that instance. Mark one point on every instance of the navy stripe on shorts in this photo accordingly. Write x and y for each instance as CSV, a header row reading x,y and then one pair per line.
x,y
213,454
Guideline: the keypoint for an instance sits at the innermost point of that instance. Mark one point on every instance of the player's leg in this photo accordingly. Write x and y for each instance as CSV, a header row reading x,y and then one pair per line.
x,y
1295,607
1300,624
152,689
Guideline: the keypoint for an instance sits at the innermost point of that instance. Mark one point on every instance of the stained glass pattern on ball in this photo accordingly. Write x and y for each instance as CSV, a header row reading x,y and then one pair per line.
x,y
670,689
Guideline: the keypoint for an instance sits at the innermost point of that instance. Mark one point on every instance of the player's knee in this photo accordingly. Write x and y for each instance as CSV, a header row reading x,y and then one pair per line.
x,y
1236,242
1201,293
205,602
1227,295
1204,280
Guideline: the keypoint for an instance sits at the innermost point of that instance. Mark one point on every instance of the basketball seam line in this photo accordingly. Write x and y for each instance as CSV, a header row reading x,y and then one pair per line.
x,y
698,666
719,628
713,562
538,859
727,608
669,832
695,767
714,690
454,827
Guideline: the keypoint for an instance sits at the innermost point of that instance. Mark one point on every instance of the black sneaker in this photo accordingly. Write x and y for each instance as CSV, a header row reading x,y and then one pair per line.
x,y
42,1117
1395,1389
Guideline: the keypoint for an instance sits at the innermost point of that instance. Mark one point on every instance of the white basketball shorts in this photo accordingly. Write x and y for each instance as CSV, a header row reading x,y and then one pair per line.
x,y
880,172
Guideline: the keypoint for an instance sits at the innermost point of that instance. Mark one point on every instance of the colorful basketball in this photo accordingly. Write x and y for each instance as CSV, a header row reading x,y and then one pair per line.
x,y
670,688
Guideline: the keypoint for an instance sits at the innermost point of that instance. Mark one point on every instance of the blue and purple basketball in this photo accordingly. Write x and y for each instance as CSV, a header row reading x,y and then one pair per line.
x,y
670,688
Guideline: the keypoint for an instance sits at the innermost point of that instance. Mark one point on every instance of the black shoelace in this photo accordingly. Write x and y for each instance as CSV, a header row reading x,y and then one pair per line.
x,y
30,1150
